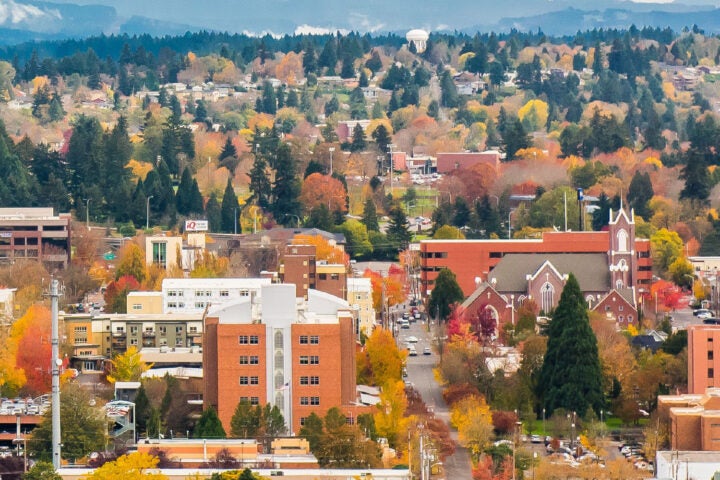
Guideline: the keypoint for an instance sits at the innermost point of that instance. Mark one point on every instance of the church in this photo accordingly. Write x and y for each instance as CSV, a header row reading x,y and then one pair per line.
x,y
613,268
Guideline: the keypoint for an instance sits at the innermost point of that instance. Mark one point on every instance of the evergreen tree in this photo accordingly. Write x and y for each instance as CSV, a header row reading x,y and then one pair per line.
x,y
382,138
286,189
200,111
260,183
245,422
55,109
320,218
209,425
444,295
397,232
514,138
229,209
183,196
213,213
358,139
571,378
332,106
292,99
640,193
196,199
449,96
269,100
369,217
597,65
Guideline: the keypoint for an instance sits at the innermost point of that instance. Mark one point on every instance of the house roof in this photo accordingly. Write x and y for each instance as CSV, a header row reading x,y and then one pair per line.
x,y
590,269
482,287
646,342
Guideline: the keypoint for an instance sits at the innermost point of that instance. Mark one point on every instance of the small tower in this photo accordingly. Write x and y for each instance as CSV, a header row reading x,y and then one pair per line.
x,y
419,38
621,255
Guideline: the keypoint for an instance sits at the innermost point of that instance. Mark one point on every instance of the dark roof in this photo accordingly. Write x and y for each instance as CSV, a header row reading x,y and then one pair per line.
x,y
590,269
646,342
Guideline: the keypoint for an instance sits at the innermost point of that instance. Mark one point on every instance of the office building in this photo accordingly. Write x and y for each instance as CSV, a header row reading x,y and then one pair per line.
x,y
35,234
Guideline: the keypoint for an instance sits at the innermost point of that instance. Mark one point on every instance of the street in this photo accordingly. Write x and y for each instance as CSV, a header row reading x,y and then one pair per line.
x,y
420,373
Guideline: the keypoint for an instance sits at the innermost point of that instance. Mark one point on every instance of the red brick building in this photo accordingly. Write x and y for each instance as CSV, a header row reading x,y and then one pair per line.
x,y
603,262
301,267
449,161
703,357
297,355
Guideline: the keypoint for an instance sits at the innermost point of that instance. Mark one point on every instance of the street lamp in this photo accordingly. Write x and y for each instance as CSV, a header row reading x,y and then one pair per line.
x,y
518,428
331,150
87,213
147,212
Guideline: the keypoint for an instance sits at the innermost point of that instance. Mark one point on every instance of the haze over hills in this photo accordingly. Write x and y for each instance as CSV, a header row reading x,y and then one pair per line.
x,y
23,20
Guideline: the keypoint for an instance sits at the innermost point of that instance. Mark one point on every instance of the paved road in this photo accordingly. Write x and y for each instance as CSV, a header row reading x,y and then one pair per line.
x,y
456,467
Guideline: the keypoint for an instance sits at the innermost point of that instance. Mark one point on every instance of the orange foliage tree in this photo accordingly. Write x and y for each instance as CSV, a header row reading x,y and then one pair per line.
x,y
394,292
324,250
117,291
32,333
319,189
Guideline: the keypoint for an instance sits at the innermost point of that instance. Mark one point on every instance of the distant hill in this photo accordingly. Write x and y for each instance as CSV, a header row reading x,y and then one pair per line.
x,y
572,20
30,20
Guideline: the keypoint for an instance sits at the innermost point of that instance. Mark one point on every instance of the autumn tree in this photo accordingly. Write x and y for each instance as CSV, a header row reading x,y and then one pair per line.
x,y
571,377
383,357
321,189
386,289
131,263
666,247
116,293
33,354
324,250
473,420
128,366
133,466
390,420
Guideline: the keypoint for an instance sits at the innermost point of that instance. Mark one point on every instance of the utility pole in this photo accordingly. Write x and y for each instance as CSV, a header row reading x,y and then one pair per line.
x,y
87,214
56,363
331,150
147,212
390,149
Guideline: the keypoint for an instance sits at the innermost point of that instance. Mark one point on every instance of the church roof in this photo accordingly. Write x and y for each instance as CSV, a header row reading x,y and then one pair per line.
x,y
590,269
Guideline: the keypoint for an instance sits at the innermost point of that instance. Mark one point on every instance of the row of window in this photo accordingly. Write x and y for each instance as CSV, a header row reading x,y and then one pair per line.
x,y
309,400
304,380
255,360
203,293
254,340
348,420
433,254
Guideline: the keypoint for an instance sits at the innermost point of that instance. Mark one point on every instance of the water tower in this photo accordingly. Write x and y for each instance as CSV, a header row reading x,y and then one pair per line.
x,y
419,38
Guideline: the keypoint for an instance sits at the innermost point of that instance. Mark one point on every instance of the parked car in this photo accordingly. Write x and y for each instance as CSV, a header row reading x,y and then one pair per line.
x,y
702,313
427,351
411,351
412,339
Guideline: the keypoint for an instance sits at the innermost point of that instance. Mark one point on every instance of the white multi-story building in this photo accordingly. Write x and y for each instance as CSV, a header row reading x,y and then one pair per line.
x,y
193,295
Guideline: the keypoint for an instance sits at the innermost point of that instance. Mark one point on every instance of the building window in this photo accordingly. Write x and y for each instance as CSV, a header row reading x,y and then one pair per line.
x,y
133,330
249,380
306,380
199,304
622,239
711,355
171,293
159,252
178,329
137,306
620,308
547,297
133,341
309,400
254,340
243,339
172,304
302,421
251,400
309,360
224,293
193,329
249,360
322,276
711,373
309,340
79,330
163,330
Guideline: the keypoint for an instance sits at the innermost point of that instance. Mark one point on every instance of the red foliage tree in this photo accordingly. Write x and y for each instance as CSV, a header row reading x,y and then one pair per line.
x,y
483,324
117,291
34,352
503,421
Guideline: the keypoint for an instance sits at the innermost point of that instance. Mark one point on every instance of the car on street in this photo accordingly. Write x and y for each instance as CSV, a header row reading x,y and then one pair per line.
x,y
412,351
702,313
412,339
427,351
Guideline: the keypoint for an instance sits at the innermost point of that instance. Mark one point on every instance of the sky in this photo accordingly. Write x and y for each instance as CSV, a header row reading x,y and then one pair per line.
x,y
366,16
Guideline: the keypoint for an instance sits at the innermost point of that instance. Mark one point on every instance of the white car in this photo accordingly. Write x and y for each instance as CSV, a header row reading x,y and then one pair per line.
x,y
412,339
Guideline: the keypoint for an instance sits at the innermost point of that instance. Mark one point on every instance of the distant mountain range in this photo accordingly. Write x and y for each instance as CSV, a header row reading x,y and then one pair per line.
x,y
29,20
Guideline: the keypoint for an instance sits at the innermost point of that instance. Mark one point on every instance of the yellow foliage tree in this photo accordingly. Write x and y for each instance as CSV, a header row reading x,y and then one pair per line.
x,y
289,69
534,114
128,366
260,121
134,466
324,250
390,418
208,265
132,262
39,82
385,359
473,420
11,378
